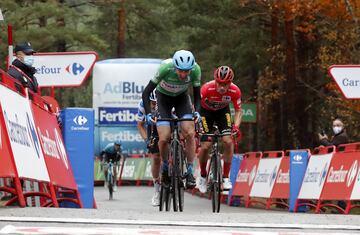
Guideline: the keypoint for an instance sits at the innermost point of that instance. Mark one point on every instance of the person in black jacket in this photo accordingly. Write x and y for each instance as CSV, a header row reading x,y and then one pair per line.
x,y
22,67
340,135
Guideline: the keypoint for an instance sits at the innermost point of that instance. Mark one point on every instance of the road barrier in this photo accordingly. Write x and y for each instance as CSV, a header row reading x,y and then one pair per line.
x,y
265,178
245,177
31,148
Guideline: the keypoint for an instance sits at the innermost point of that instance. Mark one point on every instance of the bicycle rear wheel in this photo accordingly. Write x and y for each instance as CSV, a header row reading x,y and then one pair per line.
x,y
181,184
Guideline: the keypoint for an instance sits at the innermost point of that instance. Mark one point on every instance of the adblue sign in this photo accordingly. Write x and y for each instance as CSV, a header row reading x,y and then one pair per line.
x,y
120,82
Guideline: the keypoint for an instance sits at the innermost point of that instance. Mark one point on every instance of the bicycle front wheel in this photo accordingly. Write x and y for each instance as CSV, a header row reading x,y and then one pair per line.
x,y
216,184
110,187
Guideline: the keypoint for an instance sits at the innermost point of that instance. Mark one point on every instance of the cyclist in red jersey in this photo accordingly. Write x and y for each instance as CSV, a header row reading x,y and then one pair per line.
x,y
216,96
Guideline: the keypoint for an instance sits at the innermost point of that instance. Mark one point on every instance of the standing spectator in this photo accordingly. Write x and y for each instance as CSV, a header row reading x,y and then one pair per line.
x,y
22,67
340,135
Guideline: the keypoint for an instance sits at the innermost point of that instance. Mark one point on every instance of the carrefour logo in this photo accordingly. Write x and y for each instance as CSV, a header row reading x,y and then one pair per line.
x,y
80,120
74,68
17,132
33,135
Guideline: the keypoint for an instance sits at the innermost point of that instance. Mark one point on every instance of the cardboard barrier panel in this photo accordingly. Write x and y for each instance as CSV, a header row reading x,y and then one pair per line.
x,y
266,174
24,140
246,175
235,165
315,176
78,133
342,176
282,182
56,158
298,163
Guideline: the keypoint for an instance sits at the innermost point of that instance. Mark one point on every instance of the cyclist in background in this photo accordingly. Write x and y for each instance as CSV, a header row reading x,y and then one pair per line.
x,y
216,96
111,151
172,81
150,136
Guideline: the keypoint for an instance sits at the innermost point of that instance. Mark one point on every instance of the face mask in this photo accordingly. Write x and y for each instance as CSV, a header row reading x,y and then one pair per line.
x,y
337,130
29,60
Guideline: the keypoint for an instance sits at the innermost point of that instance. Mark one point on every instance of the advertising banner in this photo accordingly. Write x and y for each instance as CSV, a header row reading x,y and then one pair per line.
x,y
24,139
147,173
246,175
63,69
265,177
131,140
51,141
298,164
315,175
7,168
133,169
123,116
120,82
341,176
282,182
78,133
355,194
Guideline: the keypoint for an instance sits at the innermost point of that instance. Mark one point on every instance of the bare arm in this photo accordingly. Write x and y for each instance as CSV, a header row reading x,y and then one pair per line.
x,y
237,117
142,129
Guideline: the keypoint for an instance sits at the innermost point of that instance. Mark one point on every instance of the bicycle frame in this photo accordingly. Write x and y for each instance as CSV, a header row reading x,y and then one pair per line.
x,y
214,176
110,178
177,162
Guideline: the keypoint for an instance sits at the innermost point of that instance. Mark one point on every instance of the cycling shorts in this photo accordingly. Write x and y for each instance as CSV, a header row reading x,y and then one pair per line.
x,y
181,103
221,117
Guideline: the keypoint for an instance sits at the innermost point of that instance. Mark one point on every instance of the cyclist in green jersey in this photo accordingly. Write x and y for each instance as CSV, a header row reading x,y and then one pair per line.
x,y
172,81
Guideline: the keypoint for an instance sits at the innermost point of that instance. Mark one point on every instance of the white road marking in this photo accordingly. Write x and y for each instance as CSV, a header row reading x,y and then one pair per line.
x,y
10,229
182,223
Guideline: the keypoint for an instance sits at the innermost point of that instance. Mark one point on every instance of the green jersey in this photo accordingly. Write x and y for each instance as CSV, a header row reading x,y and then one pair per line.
x,y
168,81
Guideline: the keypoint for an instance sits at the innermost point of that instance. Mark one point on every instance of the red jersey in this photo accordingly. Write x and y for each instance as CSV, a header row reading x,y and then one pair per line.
x,y
212,100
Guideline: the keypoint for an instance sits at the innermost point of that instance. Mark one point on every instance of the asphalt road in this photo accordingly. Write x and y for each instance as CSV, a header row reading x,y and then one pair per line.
x,y
131,213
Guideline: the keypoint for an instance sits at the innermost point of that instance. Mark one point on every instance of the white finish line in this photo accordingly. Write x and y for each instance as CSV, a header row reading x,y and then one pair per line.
x,y
9,229
310,227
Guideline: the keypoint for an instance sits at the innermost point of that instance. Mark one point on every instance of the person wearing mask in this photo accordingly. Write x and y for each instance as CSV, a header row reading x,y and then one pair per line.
x,y
22,67
340,135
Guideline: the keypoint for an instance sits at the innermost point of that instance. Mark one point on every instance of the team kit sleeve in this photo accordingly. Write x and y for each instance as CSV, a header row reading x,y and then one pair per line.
x,y
237,99
162,71
196,76
141,112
